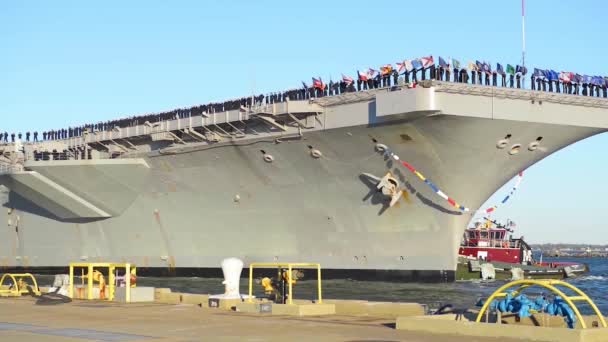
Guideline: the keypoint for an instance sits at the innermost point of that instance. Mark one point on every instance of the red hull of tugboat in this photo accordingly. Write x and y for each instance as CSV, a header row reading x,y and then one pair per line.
x,y
510,255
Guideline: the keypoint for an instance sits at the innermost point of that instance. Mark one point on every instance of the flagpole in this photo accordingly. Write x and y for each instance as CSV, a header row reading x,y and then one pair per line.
x,y
523,39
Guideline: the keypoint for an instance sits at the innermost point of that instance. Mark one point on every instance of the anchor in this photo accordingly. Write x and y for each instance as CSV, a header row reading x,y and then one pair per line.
x,y
388,186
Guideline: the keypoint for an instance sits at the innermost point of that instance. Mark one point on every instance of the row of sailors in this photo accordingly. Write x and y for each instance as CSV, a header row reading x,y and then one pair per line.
x,y
480,73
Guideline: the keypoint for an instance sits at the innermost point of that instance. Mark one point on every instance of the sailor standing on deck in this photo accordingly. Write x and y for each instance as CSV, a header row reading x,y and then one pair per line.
x,y
473,69
464,76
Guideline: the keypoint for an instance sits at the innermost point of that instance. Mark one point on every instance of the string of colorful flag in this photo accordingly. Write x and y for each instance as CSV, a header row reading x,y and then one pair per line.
x,y
427,181
491,209
422,63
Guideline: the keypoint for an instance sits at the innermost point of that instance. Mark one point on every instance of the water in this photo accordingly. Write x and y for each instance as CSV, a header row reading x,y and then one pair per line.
x,y
460,294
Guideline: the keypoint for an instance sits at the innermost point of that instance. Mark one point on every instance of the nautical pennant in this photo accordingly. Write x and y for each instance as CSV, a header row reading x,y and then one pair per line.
x,y
520,176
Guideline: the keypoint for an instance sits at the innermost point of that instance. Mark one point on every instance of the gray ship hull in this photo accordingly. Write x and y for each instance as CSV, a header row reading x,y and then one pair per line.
x,y
198,205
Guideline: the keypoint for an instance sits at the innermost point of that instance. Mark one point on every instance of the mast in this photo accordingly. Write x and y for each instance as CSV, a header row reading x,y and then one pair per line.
x,y
523,39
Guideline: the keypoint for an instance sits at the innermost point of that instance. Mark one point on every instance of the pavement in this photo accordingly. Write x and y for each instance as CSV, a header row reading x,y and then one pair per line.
x,y
22,320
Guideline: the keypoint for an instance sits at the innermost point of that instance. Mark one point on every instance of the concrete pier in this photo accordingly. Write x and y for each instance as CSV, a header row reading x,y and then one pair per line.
x,y
22,320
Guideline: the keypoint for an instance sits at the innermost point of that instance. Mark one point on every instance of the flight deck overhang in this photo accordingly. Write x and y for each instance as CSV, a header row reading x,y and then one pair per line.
x,y
77,189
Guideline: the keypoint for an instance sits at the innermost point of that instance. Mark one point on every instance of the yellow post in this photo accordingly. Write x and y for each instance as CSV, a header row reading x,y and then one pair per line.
x,y
134,270
71,288
128,283
319,283
90,282
111,281
289,279
250,299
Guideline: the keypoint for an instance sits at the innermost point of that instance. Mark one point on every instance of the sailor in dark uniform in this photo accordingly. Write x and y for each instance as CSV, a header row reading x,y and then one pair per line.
x,y
406,77
511,80
447,74
584,89
473,76
532,82
464,76
605,90
343,87
433,71
12,137
395,77
35,135
27,136
518,78
494,79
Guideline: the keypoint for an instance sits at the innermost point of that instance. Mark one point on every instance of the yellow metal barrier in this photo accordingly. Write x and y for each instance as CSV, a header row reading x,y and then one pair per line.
x,y
290,267
18,287
93,267
520,285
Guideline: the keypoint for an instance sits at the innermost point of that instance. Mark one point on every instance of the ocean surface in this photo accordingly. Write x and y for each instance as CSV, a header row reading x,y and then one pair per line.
x,y
461,294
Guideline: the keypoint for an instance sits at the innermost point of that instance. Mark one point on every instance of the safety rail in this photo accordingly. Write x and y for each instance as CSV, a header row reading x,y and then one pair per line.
x,y
18,287
519,93
93,267
78,147
494,243
290,267
520,285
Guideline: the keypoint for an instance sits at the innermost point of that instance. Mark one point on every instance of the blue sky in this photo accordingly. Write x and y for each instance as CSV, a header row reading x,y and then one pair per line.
x,y
71,62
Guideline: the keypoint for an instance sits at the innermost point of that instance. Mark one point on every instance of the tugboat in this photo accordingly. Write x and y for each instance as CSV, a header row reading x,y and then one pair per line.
x,y
492,243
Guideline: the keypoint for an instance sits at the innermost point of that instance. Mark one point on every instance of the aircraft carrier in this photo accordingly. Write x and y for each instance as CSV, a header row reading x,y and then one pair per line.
x,y
296,181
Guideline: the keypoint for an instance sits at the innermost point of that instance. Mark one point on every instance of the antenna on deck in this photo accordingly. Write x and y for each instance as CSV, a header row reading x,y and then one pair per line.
x,y
252,87
523,39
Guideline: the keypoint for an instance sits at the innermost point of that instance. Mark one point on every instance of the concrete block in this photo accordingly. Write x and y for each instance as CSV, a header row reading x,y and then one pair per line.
x,y
394,310
170,298
160,290
138,294
190,298
225,304
447,325
349,307
255,307
303,309
376,309
81,292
